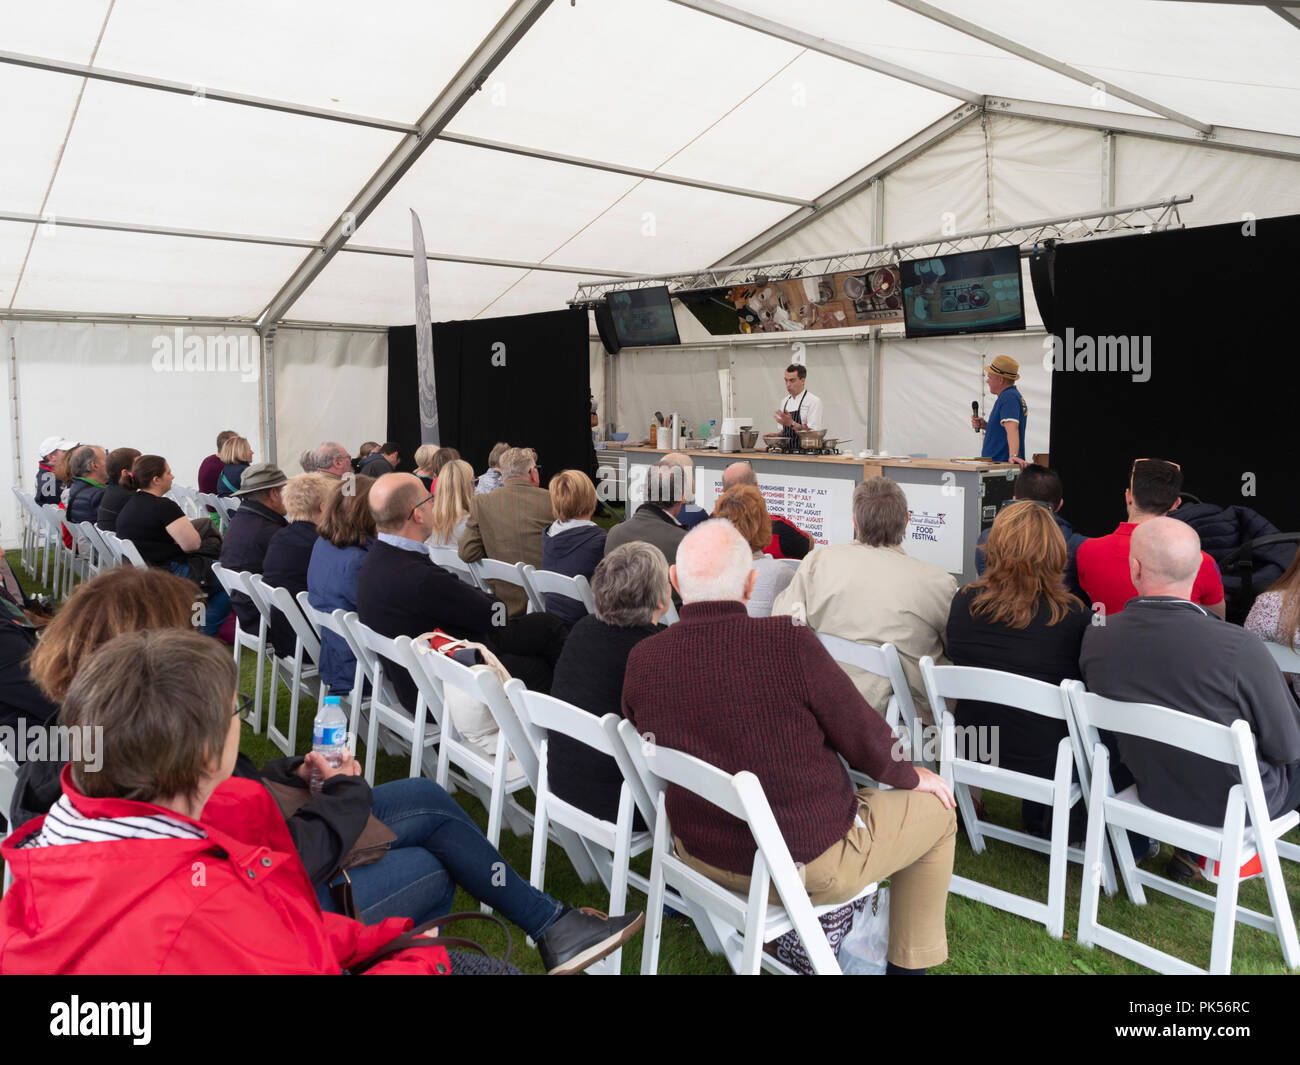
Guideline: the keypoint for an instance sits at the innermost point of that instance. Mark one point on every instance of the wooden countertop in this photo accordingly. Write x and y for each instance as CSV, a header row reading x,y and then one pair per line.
x,y
874,464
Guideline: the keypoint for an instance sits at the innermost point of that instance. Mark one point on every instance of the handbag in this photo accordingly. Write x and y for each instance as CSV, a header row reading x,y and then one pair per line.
x,y
371,845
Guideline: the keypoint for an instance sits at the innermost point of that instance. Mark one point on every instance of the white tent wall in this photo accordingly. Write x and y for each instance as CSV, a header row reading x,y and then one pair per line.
x,y
110,384
329,385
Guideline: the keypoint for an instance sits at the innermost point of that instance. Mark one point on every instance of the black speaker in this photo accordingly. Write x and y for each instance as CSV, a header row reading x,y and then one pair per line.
x,y
1042,273
605,327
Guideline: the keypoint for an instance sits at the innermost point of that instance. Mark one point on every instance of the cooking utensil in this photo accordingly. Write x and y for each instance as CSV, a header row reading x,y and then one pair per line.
x,y
748,437
811,438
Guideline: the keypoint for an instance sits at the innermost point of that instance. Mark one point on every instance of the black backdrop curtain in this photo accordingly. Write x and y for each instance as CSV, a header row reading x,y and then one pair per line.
x,y
523,379
1222,395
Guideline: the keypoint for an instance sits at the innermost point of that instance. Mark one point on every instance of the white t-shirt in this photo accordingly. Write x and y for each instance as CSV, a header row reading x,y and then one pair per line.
x,y
811,415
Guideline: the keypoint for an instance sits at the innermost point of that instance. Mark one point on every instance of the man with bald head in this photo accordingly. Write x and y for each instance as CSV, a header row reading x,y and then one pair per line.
x,y
762,694
401,592
1168,650
788,540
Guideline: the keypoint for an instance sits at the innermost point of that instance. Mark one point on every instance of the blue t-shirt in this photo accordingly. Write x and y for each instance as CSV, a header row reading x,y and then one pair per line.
x,y
1009,405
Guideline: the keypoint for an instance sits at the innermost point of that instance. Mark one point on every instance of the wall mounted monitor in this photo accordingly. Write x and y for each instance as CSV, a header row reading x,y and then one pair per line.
x,y
643,317
971,292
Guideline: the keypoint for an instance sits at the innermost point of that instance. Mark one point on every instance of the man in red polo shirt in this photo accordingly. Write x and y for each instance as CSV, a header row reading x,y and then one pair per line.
x,y
1103,561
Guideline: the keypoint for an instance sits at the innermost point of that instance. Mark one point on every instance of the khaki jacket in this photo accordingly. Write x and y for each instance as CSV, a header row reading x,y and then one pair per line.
x,y
508,524
876,595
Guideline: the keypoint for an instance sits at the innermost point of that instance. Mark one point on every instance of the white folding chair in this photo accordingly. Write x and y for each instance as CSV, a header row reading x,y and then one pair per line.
x,y
129,552
112,545
27,555
100,558
234,582
961,772
8,785
540,582
883,661
1287,658
299,670
492,569
414,731
1184,735
793,563
52,517
671,617
332,622
743,923
612,844
448,559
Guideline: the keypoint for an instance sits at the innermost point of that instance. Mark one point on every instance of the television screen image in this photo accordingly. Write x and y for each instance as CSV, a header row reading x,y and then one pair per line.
x,y
972,292
643,316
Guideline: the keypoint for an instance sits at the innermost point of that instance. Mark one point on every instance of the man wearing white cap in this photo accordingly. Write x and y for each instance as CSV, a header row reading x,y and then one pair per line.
x,y
49,489
1004,438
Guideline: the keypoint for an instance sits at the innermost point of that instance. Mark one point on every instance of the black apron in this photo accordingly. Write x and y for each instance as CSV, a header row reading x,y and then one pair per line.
x,y
791,439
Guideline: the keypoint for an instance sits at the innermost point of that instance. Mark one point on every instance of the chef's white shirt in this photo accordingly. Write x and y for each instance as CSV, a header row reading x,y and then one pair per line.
x,y
812,409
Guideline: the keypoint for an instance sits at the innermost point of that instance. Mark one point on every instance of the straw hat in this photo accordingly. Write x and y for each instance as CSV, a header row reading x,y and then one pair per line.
x,y
1004,366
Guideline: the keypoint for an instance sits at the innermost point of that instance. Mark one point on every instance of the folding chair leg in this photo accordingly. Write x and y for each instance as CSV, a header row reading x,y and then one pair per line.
x,y
967,808
654,919
1283,919
1225,903
1092,867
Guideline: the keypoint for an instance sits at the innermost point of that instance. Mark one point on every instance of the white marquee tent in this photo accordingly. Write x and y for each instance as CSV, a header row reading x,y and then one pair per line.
x,y
246,169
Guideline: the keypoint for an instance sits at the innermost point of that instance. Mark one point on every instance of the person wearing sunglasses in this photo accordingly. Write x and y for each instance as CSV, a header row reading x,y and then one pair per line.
x,y
1102,563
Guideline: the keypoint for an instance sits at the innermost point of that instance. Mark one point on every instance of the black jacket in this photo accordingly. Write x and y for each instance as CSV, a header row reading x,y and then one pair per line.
x,y
110,505
323,831
574,552
375,466
84,498
244,548
285,566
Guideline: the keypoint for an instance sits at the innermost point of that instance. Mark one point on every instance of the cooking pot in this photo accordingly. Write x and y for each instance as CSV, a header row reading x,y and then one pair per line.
x,y
748,438
809,439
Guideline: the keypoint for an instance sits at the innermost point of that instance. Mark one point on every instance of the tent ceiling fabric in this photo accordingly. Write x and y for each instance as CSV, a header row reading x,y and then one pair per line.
x,y
650,84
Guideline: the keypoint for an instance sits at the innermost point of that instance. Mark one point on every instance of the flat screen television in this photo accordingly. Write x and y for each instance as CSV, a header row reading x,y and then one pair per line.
x,y
643,317
971,292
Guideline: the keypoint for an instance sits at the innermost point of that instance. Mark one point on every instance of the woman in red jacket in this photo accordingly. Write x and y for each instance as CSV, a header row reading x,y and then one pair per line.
x,y
154,860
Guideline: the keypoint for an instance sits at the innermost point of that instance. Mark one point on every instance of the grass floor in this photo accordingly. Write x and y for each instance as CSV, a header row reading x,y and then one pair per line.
x,y
981,939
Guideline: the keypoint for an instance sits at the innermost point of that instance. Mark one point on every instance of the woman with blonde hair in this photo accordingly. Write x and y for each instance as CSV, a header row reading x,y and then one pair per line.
x,y
573,544
1019,618
237,454
452,492
430,460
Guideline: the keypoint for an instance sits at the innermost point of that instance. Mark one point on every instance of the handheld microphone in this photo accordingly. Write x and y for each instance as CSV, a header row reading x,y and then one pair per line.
x,y
975,409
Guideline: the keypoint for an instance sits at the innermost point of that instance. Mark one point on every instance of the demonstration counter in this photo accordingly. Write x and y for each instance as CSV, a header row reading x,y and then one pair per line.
x,y
951,501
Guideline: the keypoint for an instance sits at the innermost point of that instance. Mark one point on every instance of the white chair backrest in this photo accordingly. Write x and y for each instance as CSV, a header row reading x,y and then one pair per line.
x,y
131,553
883,661
113,544
8,781
546,713
334,622
280,599
448,559
105,559
793,563
230,580
1287,659
541,582
493,569
671,617
378,657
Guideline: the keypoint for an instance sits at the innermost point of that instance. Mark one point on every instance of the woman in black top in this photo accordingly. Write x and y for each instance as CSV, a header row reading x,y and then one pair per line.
x,y
119,487
631,591
1019,618
158,527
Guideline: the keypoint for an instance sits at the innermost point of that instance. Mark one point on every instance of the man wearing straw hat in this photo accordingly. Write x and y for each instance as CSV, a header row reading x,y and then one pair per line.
x,y
1004,437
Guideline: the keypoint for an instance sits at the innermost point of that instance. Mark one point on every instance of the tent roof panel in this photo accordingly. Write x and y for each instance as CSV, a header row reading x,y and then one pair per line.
x,y
492,205
632,81
157,158
136,273
537,290
14,239
810,128
32,135
384,58
57,29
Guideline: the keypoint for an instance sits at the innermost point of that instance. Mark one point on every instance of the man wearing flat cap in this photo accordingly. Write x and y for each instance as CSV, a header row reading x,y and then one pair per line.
x,y
1004,432
259,517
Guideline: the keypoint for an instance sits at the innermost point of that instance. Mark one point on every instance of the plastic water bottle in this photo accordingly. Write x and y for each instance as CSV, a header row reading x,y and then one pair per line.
x,y
329,736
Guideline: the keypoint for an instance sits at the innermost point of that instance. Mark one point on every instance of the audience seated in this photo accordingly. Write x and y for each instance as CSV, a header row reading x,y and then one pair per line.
x,y
1103,561
1018,617
383,459
690,515
88,469
119,486
430,460
400,592
788,540
259,517
331,458
871,592
1043,486
157,526
20,698
573,544
1167,649
1275,615
237,454
632,593
655,520
363,452
492,478
437,846
49,488
761,694
743,506
210,468
288,552
508,524
347,532
450,508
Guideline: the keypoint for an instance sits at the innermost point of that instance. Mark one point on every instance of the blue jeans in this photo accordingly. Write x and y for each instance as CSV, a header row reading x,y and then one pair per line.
x,y
437,848
218,607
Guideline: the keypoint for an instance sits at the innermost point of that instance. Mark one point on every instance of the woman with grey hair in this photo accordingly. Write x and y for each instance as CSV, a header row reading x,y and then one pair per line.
x,y
631,590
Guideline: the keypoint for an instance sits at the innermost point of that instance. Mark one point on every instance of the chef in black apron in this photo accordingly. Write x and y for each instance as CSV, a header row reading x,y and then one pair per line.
x,y
800,409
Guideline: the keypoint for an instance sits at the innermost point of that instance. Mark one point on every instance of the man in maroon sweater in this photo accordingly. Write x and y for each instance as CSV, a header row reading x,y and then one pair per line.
x,y
762,694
